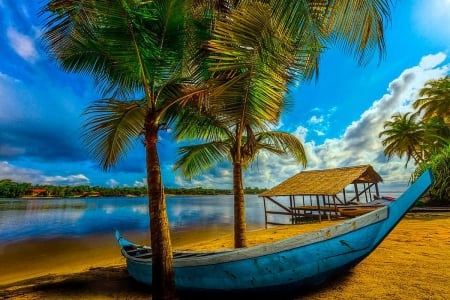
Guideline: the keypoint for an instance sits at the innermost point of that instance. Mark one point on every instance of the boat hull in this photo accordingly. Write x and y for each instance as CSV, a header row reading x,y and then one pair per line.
x,y
306,265
303,260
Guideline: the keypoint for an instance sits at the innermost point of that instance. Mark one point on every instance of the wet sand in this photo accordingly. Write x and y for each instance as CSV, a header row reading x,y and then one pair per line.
x,y
412,263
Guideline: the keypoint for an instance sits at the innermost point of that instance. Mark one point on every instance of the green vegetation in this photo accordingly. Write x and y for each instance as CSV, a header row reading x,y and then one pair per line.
x,y
424,136
439,164
11,189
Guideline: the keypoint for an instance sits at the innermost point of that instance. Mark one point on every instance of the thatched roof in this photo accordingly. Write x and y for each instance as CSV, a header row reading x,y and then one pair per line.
x,y
324,182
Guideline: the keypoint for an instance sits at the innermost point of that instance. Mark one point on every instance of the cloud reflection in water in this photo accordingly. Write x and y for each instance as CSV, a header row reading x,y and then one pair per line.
x,y
53,218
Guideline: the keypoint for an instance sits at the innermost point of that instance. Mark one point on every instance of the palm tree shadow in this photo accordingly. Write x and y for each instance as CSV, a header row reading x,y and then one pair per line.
x,y
108,282
333,283
115,283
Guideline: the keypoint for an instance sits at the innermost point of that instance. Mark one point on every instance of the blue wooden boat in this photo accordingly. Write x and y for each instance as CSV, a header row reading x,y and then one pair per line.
x,y
307,259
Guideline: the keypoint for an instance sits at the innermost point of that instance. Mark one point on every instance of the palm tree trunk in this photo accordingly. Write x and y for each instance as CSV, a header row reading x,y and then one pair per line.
x,y
163,280
240,238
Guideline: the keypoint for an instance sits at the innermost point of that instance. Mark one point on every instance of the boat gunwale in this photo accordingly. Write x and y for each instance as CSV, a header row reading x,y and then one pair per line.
x,y
229,255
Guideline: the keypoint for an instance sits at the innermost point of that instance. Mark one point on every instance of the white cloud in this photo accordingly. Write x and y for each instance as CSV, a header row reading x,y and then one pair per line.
x,y
301,133
320,123
79,179
432,60
141,183
219,178
315,119
319,133
112,183
23,45
18,174
8,171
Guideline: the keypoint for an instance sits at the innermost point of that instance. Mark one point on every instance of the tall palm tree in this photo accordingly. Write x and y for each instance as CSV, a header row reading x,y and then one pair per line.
x,y
142,55
405,135
259,48
249,53
434,100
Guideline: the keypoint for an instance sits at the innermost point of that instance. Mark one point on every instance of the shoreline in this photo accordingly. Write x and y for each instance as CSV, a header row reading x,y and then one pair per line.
x,y
416,249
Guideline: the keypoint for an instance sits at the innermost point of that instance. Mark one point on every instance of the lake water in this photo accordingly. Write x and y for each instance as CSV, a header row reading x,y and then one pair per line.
x,y
22,219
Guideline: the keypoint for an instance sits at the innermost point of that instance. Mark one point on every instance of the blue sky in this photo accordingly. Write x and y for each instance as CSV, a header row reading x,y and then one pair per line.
x,y
338,117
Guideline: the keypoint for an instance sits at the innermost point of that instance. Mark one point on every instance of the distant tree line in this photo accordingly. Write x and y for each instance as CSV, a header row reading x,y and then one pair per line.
x,y
11,189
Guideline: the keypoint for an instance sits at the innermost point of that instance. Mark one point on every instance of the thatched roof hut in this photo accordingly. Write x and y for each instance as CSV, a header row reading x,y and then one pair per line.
x,y
322,190
324,182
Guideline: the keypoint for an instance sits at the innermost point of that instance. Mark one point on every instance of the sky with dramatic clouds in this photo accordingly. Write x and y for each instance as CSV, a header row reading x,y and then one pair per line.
x,y
338,117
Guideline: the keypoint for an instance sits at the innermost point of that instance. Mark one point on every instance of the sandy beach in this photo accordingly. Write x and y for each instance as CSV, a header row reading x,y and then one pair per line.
x,y
412,263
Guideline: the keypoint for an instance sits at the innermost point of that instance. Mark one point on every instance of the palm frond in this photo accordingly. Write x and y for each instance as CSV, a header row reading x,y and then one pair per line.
x,y
405,135
359,25
111,128
304,22
282,143
194,125
249,46
196,159
435,99
127,46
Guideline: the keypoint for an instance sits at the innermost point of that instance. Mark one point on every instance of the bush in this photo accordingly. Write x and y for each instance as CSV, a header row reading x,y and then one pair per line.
x,y
439,164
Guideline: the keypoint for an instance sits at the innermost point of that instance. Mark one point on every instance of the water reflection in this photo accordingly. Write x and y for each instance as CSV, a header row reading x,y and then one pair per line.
x,y
50,218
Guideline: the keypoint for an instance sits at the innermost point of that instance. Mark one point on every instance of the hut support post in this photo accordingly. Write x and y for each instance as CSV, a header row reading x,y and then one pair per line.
x,y
294,215
356,191
318,208
265,212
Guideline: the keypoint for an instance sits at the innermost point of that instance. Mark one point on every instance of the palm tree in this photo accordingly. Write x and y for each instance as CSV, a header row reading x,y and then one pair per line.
x,y
250,54
437,133
259,48
435,100
140,55
220,143
405,135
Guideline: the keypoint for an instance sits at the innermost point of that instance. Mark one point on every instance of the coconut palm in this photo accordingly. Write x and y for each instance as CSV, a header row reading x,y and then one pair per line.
x,y
139,54
405,135
264,47
435,100
258,49
251,56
